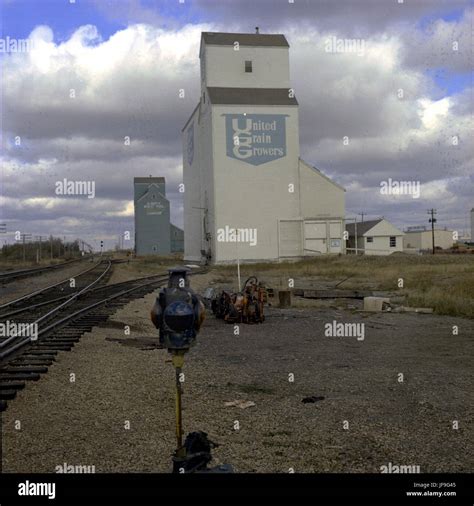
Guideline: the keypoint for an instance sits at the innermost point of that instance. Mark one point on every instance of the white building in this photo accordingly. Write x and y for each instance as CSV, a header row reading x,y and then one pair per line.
x,y
374,237
421,238
241,161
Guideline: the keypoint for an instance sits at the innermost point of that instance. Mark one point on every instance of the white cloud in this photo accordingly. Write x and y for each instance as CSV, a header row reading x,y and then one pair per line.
x,y
129,84
127,210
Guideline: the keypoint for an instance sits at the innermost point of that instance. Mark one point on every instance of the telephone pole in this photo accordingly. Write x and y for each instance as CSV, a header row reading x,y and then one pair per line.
x,y
3,230
362,216
24,238
40,239
433,220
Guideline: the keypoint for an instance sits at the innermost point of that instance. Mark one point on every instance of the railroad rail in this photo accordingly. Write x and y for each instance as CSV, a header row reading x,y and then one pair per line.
x,y
8,276
49,294
24,359
25,329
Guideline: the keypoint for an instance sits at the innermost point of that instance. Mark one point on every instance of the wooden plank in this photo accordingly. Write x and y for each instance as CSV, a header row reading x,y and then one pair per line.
x,y
405,309
336,294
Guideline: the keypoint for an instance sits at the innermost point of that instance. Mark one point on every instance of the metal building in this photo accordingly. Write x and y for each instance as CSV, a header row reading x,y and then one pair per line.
x,y
421,238
154,234
248,195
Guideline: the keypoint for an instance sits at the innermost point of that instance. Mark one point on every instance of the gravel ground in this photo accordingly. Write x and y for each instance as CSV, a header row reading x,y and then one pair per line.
x,y
120,378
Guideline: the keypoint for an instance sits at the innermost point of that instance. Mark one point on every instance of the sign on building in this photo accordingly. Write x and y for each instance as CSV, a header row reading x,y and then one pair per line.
x,y
154,207
256,138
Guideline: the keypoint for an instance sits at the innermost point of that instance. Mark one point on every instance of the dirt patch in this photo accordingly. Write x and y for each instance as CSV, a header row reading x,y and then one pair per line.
x,y
142,343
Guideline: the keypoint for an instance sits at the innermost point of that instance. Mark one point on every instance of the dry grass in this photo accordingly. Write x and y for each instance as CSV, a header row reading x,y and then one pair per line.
x,y
16,265
159,259
146,265
443,282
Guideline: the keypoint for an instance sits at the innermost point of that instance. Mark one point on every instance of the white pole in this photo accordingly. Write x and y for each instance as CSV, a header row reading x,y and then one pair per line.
x,y
238,265
355,232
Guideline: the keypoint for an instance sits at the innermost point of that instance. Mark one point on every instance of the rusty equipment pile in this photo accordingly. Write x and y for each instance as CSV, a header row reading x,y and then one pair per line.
x,y
245,306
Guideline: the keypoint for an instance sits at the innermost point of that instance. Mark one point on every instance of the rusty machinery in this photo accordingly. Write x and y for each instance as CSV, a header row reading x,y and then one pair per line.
x,y
245,306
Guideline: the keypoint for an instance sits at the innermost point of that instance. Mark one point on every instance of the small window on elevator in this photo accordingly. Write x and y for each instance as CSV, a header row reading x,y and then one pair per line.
x,y
248,66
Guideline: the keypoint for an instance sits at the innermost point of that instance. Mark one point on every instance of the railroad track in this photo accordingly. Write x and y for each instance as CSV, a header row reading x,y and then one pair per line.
x,y
6,277
24,359
37,301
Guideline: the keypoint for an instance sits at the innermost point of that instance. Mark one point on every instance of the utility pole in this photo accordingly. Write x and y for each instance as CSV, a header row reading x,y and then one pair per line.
x,y
433,220
356,238
40,239
362,214
24,238
3,230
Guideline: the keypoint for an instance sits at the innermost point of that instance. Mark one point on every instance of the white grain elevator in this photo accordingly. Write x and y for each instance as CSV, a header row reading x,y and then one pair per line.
x,y
248,195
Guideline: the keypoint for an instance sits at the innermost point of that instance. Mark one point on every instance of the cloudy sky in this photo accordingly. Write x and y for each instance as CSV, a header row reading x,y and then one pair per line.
x,y
101,70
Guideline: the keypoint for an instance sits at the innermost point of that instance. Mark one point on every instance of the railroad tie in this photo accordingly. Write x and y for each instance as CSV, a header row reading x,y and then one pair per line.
x,y
24,369
12,385
7,394
19,376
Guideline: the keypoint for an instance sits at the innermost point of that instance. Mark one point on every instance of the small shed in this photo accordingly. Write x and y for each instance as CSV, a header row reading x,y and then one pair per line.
x,y
374,237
